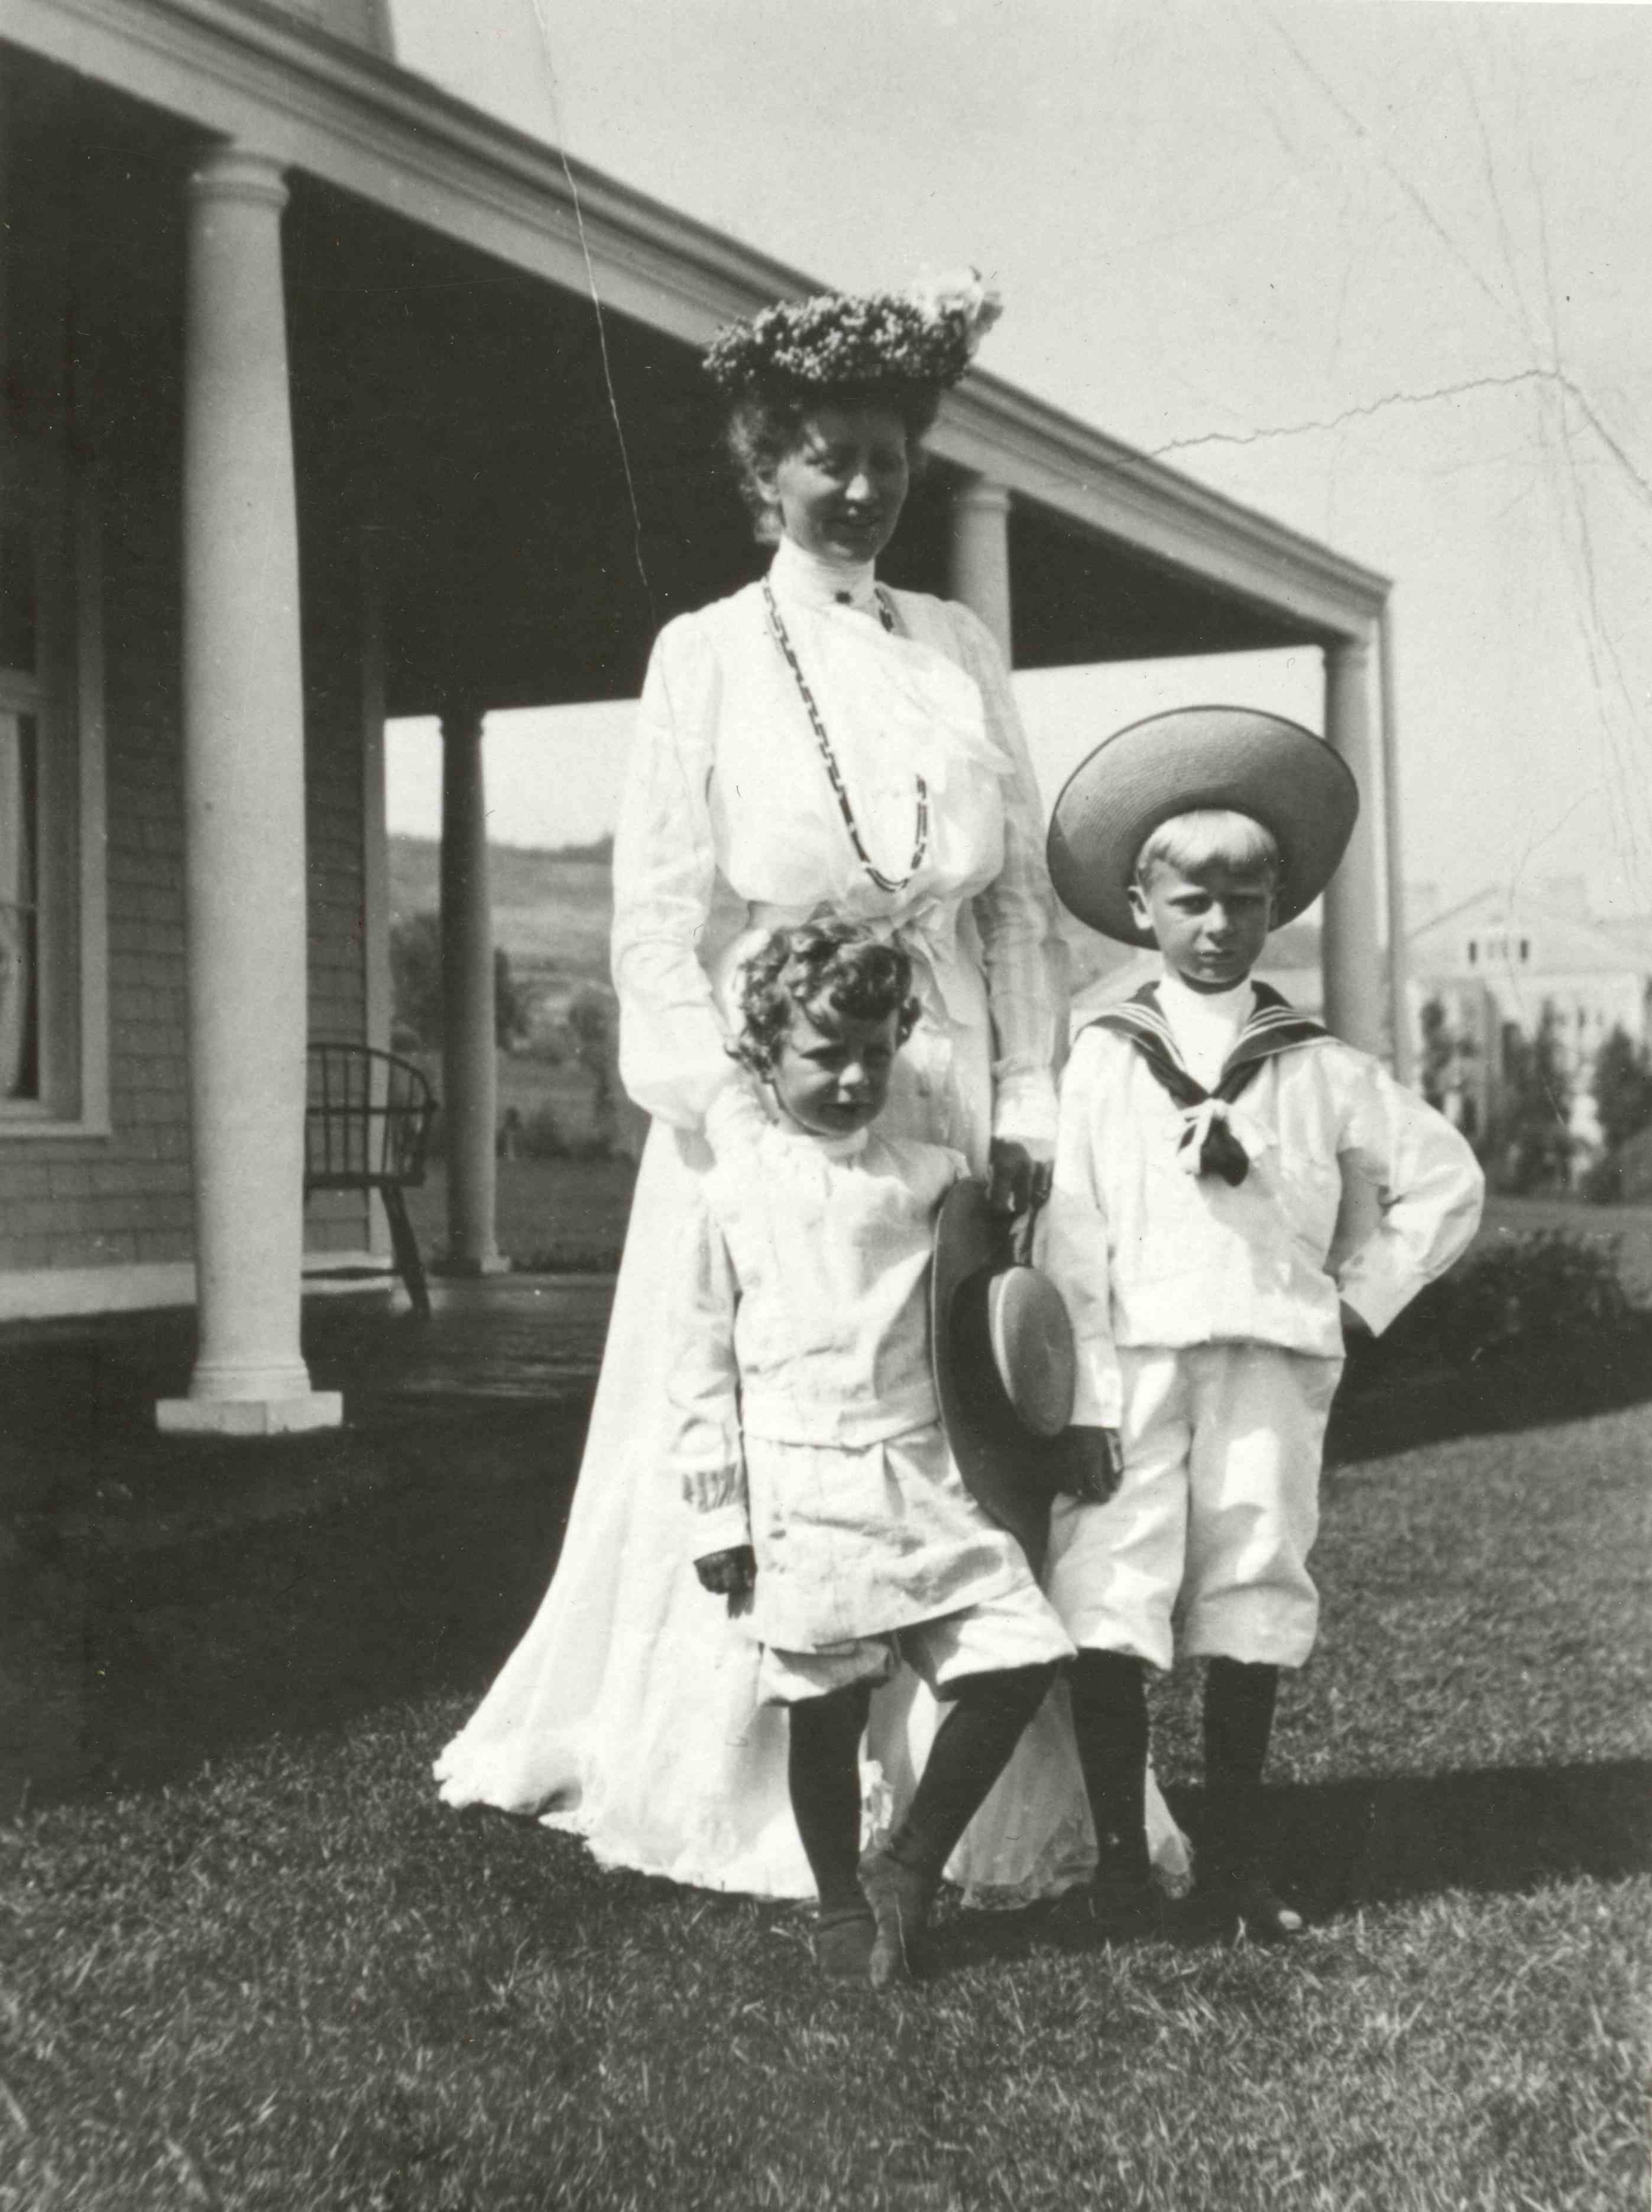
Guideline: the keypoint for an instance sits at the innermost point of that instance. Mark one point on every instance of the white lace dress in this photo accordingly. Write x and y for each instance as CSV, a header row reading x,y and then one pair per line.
x,y
628,1713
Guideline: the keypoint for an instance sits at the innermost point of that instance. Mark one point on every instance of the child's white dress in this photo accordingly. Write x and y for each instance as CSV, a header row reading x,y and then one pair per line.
x,y
629,1712
807,1424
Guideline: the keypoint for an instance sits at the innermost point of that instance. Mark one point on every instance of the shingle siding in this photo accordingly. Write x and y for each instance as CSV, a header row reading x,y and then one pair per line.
x,y
88,1202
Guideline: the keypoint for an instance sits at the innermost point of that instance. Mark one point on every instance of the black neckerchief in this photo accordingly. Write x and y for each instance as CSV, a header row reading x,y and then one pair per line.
x,y
1273,1026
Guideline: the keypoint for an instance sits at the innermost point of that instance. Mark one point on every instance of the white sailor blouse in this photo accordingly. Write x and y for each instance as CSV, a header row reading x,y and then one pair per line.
x,y
1304,1177
803,1418
726,781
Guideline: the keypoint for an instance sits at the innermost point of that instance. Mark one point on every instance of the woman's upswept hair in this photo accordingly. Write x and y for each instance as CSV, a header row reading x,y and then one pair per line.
x,y
819,968
1211,836
762,427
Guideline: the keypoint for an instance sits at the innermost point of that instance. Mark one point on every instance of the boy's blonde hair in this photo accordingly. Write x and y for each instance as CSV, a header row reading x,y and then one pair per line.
x,y
1207,836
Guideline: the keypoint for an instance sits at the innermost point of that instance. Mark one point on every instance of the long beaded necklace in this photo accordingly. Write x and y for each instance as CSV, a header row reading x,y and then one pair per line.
x,y
920,840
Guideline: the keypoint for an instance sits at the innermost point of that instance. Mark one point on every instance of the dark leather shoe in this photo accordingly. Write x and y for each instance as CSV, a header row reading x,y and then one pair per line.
x,y
844,1936
901,1900
1262,1914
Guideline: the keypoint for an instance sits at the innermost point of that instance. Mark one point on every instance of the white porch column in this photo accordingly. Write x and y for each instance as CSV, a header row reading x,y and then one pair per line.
x,y
375,844
469,1074
243,730
980,552
1352,944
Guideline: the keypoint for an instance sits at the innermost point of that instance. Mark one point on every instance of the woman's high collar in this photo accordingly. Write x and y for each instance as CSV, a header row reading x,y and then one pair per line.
x,y
807,580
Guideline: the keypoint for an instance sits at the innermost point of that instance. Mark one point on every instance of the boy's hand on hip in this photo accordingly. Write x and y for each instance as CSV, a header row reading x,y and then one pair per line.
x,y
1018,1174
1092,1465
732,1574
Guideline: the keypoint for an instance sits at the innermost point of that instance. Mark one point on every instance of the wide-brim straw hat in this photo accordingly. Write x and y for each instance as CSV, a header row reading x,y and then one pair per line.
x,y
1234,757
1006,1368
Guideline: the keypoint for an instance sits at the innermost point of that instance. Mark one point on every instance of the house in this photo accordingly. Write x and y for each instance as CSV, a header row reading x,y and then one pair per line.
x,y
1502,959
328,398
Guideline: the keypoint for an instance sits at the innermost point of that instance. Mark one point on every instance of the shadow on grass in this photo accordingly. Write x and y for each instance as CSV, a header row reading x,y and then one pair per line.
x,y
1386,1405
126,1668
162,1602
1342,1846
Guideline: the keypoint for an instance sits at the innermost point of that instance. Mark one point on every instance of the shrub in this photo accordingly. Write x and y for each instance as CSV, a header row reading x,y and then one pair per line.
x,y
1528,1144
1546,1294
1622,1088
542,1136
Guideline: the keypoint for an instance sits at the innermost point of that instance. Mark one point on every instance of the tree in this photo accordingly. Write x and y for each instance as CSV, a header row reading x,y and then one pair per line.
x,y
510,1003
415,984
1529,1142
1438,1056
415,977
591,1025
1621,1089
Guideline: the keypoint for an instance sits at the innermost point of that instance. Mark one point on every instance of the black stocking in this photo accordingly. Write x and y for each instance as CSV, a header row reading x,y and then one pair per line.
x,y
824,1774
972,1746
1239,1701
1109,1691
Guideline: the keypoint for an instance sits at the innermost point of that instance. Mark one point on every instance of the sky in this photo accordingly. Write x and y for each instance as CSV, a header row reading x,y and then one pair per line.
x,y
1376,268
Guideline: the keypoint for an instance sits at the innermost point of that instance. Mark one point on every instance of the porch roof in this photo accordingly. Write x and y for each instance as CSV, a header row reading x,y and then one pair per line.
x,y
456,394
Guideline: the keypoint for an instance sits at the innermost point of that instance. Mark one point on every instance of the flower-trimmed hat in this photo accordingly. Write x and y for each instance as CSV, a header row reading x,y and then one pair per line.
x,y
839,341
1231,757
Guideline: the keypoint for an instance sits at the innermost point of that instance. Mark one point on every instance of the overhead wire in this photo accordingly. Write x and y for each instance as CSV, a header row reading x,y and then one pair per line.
x,y
547,63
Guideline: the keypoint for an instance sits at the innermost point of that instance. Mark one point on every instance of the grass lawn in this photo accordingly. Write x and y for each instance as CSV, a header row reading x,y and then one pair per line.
x,y
287,1978
560,1214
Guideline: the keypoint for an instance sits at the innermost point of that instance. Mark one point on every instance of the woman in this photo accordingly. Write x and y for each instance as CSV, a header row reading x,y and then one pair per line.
x,y
819,745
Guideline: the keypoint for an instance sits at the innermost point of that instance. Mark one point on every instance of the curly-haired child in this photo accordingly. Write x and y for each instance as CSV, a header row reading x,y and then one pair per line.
x,y
808,1442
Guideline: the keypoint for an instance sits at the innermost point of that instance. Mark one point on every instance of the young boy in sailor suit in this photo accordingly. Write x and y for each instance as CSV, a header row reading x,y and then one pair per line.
x,y
808,1443
1208,1135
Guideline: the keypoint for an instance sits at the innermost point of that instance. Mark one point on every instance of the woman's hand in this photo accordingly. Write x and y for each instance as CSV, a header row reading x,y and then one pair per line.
x,y
1019,1174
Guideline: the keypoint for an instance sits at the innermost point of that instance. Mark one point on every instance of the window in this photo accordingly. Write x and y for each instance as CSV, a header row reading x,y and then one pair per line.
x,y
19,912
20,825
1525,948
53,1046
1473,952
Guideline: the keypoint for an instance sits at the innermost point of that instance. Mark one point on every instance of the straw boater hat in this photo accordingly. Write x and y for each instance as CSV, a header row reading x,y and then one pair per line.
x,y
1004,1367
1276,772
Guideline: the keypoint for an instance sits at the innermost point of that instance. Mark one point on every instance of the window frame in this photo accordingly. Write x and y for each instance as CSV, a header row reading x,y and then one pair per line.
x,y
65,695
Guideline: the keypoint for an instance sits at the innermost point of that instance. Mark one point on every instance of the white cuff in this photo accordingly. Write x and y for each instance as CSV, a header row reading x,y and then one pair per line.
x,y
1024,1108
724,1528
1098,1395
1373,1290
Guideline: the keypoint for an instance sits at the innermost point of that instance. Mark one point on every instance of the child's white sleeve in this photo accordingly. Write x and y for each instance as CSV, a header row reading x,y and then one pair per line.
x,y
1071,1246
702,1388
1428,1190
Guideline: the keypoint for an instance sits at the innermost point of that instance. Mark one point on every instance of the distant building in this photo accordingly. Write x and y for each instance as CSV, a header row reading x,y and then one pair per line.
x,y
1495,962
